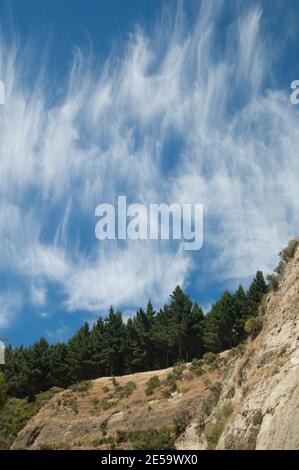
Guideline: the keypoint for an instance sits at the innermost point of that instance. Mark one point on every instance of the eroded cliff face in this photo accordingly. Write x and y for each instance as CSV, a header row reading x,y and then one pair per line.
x,y
258,405
247,399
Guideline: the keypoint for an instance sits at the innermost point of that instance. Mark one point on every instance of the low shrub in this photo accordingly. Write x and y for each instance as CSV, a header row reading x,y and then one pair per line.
x,y
152,384
211,400
106,404
273,281
16,413
196,367
107,441
178,370
289,252
181,422
280,268
213,434
166,393
153,439
81,387
253,326
215,431
96,402
209,358
74,406
124,391
55,446
3,390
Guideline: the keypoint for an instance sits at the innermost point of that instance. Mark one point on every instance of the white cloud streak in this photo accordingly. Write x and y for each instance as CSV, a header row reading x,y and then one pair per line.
x,y
10,304
38,295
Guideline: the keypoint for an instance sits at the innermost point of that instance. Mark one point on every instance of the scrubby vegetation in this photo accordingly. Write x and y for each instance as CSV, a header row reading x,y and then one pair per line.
x,y
123,391
253,326
82,387
273,281
181,422
289,252
285,255
15,414
208,404
209,358
152,384
153,439
196,367
215,431
3,390
162,438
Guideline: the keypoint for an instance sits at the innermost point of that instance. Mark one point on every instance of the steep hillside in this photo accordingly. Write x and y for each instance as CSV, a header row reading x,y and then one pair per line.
x,y
106,413
258,407
246,398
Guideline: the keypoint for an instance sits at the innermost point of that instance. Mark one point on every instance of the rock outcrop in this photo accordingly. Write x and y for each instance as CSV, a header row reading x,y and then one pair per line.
x,y
258,406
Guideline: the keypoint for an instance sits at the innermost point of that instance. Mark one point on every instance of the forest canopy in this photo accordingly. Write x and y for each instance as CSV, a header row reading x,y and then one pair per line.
x,y
179,331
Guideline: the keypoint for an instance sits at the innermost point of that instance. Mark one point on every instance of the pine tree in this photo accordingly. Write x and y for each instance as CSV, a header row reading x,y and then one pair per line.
x,y
17,371
163,336
79,354
140,340
243,313
38,361
220,321
59,373
256,292
114,343
196,331
97,341
180,310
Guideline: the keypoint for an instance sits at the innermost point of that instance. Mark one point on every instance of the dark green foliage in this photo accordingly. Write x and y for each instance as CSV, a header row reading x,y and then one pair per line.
x,y
124,391
219,325
256,291
225,323
152,384
209,358
79,354
149,340
82,387
181,422
153,439
273,281
196,367
15,414
3,390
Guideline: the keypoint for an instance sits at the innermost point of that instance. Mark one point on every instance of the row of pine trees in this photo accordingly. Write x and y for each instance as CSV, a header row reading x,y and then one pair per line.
x,y
149,340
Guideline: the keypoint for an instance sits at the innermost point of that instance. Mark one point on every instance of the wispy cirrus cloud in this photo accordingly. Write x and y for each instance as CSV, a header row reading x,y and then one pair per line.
x,y
38,295
113,129
10,304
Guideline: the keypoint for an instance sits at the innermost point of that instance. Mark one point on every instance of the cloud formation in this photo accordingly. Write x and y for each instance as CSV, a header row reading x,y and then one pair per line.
x,y
10,303
178,116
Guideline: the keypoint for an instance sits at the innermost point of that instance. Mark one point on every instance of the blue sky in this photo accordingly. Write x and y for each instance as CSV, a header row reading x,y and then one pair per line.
x,y
164,102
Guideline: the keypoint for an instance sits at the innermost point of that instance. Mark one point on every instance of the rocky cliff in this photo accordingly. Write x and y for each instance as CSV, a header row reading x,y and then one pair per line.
x,y
258,405
246,398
